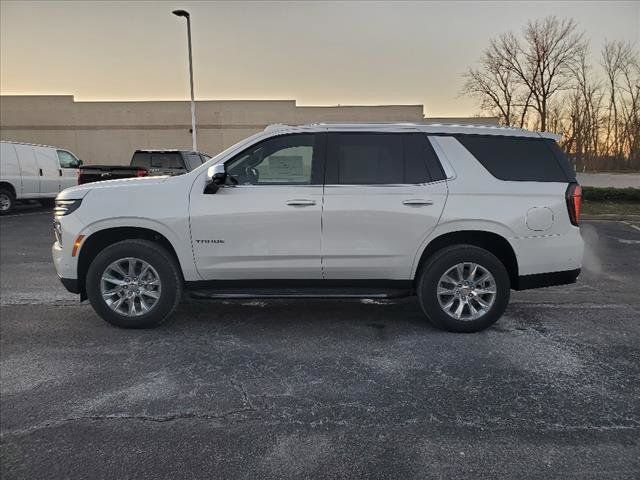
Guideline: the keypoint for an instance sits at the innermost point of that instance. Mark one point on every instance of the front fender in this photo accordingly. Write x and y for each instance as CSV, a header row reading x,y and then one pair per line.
x,y
179,240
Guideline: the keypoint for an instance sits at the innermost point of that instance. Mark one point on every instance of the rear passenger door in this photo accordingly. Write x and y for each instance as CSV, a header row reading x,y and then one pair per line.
x,y
384,194
48,171
28,170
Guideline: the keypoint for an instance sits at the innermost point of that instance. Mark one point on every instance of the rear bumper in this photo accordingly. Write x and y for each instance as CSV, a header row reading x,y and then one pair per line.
x,y
71,284
539,280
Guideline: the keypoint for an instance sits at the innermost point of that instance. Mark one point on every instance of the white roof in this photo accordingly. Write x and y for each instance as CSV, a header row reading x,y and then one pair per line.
x,y
32,144
433,128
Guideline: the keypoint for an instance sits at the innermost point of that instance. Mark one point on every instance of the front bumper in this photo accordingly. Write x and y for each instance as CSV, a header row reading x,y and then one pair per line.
x,y
71,284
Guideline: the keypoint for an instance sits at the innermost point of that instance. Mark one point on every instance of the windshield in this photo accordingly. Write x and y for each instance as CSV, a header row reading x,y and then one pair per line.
x,y
236,146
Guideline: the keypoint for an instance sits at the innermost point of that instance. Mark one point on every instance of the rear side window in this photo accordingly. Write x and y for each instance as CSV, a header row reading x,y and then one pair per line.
x,y
360,158
562,159
366,158
418,154
516,158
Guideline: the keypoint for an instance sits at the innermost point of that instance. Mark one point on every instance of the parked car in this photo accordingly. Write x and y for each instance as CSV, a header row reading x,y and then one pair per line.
x,y
144,163
457,215
29,171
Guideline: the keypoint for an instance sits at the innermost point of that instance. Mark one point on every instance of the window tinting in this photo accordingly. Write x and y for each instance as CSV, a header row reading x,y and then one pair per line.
x,y
422,164
359,158
515,158
367,158
283,160
562,159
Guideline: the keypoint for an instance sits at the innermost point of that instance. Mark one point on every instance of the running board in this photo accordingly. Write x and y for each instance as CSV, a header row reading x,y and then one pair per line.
x,y
233,293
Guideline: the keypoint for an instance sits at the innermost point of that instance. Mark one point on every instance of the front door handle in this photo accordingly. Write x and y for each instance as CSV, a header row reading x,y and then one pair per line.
x,y
417,202
301,202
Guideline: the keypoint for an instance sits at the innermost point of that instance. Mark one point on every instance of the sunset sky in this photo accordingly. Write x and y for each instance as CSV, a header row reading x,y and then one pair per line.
x,y
318,53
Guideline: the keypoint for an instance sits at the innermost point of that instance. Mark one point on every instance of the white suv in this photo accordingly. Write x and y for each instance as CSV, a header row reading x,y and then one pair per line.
x,y
457,215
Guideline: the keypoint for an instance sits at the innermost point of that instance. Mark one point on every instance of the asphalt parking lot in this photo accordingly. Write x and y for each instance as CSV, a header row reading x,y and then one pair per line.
x,y
330,389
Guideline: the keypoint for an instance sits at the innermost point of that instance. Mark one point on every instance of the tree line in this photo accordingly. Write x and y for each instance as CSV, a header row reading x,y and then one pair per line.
x,y
542,79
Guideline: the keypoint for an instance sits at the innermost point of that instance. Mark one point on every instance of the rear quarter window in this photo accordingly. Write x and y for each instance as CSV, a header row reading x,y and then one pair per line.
x,y
519,159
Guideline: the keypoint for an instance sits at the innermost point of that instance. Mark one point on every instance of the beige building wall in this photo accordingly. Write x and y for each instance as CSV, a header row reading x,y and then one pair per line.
x,y
109,132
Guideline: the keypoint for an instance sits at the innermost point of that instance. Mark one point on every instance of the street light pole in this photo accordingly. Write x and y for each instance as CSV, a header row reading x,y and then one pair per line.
x,y
184,13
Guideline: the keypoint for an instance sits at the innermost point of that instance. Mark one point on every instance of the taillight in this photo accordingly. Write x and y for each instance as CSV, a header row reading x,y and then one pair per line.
x,y
574,202
141,172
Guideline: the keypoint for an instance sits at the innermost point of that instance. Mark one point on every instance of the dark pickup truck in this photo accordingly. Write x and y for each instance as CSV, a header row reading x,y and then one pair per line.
x,y
145,163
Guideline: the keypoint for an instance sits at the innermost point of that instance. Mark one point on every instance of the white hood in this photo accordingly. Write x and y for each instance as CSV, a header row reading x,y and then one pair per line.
x,y
79,191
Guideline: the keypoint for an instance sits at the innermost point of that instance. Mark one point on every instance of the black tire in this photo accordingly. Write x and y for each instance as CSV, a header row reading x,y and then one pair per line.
x,y
7,196
160,260
443,260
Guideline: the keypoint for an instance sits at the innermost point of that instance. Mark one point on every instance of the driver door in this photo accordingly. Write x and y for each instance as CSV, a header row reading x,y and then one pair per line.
x,y
68,169
265,222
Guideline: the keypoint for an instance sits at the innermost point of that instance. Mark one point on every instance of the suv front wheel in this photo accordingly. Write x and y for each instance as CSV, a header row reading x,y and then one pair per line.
x,y
463,288
134,284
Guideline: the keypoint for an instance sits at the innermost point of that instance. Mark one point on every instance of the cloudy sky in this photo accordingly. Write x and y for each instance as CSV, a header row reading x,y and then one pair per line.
x,y
318,53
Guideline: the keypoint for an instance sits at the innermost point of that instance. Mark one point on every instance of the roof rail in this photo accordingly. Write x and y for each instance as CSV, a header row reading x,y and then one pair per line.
x,y
276,126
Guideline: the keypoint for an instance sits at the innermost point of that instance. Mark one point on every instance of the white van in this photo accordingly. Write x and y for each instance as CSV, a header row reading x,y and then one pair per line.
x,y
29,171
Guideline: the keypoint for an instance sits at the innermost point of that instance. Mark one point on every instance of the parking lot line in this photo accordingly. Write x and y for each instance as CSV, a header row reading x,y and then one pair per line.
x,y
630,224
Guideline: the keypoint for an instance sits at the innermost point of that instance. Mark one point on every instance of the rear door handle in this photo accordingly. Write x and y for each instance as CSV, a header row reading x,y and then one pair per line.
x,y
40,171
301,202
417,202
60,171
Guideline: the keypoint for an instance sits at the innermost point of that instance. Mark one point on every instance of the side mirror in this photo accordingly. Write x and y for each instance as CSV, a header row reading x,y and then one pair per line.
x,y
216,176
80,163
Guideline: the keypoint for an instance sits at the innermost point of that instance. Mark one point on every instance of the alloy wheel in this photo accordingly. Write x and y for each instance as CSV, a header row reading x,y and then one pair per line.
x,y
466,291
130,287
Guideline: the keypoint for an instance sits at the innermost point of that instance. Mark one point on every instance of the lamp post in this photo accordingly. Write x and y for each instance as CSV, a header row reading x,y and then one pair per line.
x,y
185,14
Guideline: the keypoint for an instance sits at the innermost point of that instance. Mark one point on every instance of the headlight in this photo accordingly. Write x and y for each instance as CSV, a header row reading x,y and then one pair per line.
x,y
65,207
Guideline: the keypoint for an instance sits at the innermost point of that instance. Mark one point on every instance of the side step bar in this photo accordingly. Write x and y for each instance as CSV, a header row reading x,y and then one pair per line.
x,y
233,293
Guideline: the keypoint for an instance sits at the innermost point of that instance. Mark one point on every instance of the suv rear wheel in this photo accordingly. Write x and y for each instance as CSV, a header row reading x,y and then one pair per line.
x,y
463,288
134,284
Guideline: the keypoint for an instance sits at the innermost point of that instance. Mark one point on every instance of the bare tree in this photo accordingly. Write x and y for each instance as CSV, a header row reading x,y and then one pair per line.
x,y
622,69
542,79
543,59
537,66
494,87
584,105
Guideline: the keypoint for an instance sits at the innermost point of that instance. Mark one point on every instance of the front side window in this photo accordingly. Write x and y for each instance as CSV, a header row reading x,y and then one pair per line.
x,y
67,160
282,160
